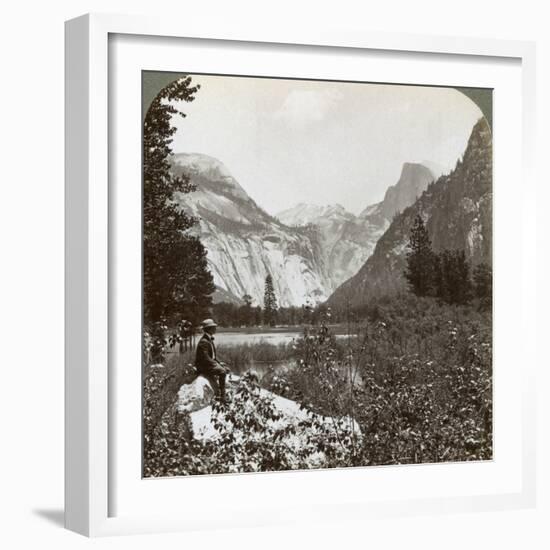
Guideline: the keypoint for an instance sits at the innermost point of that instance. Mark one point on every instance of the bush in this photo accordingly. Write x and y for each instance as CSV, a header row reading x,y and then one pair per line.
x,y
418,380
161,428
415,377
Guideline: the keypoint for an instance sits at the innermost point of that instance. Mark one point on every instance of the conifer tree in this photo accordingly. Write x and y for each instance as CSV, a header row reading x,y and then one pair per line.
x,y
175,272
419,271
438,276
270,302
453,283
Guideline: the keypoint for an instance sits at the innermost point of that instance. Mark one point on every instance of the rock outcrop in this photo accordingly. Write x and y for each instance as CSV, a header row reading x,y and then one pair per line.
x,y
196,395
457,211
413,181
346,240
308,250
244,243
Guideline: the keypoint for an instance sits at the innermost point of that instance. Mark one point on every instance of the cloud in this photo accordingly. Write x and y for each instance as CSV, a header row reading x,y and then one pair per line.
x,y
303,107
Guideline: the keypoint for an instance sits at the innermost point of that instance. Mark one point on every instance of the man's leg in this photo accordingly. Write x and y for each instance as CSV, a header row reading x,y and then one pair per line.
x,y
221,380
216,377
219,373
212,380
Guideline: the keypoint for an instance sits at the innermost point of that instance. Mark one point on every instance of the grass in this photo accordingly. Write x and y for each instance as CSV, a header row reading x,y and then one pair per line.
x,y
416,375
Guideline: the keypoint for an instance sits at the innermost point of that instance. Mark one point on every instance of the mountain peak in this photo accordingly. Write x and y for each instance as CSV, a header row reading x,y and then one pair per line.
x,y
336,209
414,168
413,181
458,213
244,243
200,162
208,169
306,213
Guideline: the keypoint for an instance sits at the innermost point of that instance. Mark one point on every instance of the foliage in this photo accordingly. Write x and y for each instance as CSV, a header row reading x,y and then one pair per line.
x,y
155,343
420,259
445,274
192,281
411,383
252,435
162,431
453,283
270,302
175,276
455,209
417,377
233,315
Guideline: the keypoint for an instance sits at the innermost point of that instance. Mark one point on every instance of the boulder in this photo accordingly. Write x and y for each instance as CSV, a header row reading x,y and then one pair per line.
x,y
291,414
195,396
196,400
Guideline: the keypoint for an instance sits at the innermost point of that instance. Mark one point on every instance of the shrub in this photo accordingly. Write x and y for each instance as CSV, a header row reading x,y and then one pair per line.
x,y
253,435
415,376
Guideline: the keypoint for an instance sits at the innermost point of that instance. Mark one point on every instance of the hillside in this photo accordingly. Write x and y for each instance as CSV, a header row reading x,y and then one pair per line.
x,y
457,210
244,243
308,250
347,240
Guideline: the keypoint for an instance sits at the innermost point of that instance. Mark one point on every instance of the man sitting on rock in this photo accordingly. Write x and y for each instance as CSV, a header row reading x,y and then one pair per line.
x,y
206,362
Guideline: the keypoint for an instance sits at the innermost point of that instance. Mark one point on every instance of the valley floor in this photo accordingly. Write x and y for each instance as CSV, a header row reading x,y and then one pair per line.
x,y
416,377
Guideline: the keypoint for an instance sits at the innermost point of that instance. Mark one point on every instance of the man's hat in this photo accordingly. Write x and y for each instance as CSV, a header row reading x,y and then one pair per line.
x,y
208,323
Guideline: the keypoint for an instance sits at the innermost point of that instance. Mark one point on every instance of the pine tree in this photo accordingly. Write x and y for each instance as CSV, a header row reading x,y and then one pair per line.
x,y
419,271
175,271
443,282
438,276
453,283
270,302
190,281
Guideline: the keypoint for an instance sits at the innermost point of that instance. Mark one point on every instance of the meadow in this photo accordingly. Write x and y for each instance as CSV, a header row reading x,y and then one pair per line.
x,y
415,374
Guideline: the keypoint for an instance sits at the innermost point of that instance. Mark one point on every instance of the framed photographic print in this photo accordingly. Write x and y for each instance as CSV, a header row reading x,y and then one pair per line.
x,y
289,279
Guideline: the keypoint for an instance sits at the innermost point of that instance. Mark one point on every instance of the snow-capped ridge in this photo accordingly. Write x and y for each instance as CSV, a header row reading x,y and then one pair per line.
x,y
306,213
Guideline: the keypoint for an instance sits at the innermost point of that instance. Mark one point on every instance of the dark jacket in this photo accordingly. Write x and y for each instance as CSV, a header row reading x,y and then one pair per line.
x,y
205,358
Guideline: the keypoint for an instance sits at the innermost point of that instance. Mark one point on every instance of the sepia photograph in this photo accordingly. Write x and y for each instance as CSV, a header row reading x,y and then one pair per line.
x,y
317,274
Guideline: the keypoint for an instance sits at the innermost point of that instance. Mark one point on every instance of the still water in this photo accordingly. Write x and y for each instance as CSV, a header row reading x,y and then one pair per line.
x,y
237,338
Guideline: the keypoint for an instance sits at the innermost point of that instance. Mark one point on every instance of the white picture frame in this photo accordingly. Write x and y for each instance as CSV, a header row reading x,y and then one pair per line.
x,y
90,217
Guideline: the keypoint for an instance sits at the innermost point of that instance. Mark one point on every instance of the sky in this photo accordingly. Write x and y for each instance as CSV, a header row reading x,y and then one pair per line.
x,y
319,142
